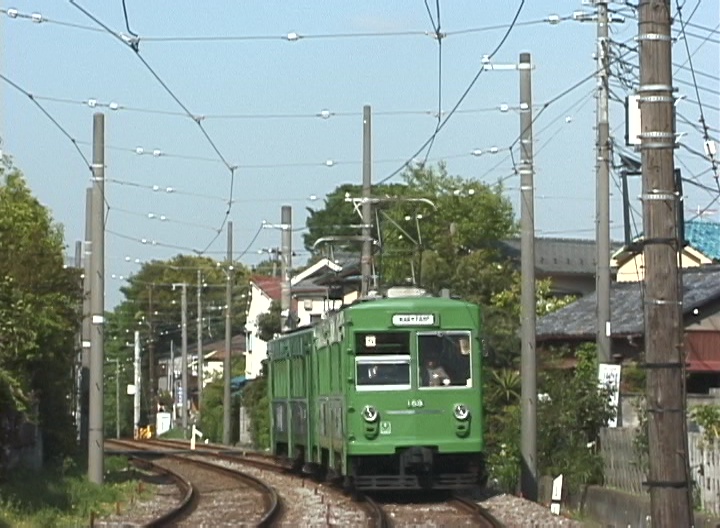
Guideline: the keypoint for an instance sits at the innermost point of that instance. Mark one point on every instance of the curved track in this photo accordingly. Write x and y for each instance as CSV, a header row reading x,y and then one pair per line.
x,y
207,490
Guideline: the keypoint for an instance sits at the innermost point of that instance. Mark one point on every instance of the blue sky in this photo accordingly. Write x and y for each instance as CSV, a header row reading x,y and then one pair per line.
x,y
261,98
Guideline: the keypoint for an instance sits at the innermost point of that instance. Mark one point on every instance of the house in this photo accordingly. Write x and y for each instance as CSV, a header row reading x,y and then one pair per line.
x,y
569,263
170,367
263,291
576,323
702,247
310,301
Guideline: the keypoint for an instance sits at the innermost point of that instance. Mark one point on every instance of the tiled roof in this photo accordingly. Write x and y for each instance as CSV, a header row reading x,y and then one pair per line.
x,y
271,286
558,255
704,236
577,321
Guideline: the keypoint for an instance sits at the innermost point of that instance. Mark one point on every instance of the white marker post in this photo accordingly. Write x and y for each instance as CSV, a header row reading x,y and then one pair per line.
x,y
195,432
556,496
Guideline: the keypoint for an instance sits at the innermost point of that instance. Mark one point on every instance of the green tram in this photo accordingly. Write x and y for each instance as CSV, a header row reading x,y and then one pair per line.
x,y
385,394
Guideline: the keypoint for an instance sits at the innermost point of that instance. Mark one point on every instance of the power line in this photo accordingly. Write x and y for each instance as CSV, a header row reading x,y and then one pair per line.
x,y
324,114
164,218
706,134
151,242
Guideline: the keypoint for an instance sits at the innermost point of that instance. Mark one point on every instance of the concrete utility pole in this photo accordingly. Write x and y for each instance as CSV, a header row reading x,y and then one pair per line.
x,y
227,365
138,382
86,325
602,192
172,378
528,410
77,367
97,306
366,256
200,355
286,266
184,358
152,389
117,398
668,475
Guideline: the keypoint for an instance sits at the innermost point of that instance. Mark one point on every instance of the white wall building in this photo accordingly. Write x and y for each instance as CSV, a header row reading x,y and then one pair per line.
x,y
309,304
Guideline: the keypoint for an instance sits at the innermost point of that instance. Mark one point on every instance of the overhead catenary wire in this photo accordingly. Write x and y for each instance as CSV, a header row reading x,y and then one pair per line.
x,y
63,130
460,100
133,44
439,38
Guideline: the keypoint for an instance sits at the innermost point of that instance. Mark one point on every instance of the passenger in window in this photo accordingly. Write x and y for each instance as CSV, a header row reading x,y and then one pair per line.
x,y
436,375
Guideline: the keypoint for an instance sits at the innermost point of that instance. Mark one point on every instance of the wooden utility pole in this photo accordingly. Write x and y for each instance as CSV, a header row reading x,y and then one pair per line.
x,y
668,476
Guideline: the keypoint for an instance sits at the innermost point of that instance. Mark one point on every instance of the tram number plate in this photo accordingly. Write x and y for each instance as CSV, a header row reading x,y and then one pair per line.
x,y
415,404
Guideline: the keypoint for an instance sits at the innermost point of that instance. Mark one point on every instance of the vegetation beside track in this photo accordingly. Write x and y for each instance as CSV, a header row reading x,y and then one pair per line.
x,y
62,496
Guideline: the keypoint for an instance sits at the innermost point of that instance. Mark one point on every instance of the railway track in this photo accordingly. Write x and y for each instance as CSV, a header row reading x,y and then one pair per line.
x,y
426,511
375,515
454,511
211,494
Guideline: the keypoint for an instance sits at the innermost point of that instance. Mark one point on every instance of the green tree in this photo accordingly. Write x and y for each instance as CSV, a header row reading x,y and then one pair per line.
x,y
154,286
39,310
337,216
270,323
211,419
572,415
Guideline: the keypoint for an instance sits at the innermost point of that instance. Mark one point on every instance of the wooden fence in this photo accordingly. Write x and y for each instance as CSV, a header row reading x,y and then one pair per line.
x,y
624,470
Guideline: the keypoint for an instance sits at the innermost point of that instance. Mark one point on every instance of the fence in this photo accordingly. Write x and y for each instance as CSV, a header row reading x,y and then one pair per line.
x,y
624,470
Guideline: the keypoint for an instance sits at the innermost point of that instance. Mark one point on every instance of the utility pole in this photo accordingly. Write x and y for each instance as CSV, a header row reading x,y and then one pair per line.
x,y
528,410
227,365
286,266
138,382
602,192
172,379
86,325
97,306
117,398
184,360
366,255
200,355
668,475
151,358
77,368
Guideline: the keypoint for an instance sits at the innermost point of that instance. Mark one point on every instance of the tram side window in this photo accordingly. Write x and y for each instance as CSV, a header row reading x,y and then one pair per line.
x,y
444,360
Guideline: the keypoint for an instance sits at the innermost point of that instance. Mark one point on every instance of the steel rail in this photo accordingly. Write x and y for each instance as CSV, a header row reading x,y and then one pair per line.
x,y
481,513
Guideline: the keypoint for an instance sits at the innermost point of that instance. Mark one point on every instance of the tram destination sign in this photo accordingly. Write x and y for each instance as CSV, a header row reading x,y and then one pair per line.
x,y
413,320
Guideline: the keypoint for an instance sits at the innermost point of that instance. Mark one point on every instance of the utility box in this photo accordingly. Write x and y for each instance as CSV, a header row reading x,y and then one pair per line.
x,y
163,423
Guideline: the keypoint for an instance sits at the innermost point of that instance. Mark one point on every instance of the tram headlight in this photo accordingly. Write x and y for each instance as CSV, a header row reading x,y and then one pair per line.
x,y
369,414
461,412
